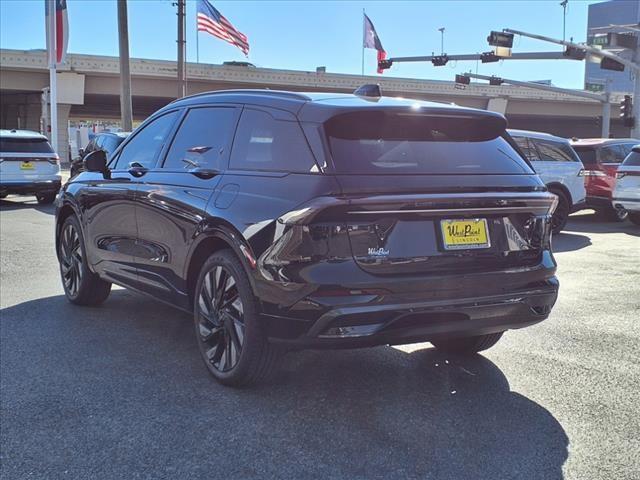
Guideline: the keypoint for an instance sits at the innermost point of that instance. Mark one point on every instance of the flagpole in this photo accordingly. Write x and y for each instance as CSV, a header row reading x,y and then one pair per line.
x,y
53,83
197,44
363,34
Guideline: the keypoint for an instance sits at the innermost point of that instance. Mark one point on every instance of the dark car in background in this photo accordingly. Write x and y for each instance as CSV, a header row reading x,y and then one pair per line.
x,y
105,141
601,158
287,220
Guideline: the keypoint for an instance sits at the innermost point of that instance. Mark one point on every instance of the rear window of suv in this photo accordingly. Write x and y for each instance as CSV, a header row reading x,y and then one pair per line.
x,y
387,143
633,160
25,145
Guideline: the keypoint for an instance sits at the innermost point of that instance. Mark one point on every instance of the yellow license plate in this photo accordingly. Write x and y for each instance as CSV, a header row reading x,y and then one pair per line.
x,y
467,233
26,166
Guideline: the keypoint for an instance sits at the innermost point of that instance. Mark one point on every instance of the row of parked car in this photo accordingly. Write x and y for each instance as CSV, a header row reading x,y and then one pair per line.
x,y
595,173
583,173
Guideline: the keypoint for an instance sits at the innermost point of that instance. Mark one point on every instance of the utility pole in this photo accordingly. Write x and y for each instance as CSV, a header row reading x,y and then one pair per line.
x,y
182,48
126,111
635,131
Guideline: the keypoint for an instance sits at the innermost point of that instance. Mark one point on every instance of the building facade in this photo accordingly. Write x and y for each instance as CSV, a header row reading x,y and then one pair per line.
x,y
601,17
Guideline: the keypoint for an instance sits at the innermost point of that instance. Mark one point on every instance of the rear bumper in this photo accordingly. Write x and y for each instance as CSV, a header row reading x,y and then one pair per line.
x,y
400,323
629,204
30,187
597,202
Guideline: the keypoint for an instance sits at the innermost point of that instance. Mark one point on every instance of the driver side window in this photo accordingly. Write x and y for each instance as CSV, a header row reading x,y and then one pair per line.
x,y
145,145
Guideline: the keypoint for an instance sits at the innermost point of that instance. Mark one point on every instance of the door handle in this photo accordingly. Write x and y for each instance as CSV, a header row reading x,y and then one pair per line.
x,y
137,170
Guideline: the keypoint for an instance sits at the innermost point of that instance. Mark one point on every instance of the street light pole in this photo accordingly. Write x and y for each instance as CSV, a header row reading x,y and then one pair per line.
x,y
441,30
126,111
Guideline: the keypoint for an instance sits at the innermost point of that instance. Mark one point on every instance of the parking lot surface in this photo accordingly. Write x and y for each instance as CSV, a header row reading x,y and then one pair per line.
x,y
120,391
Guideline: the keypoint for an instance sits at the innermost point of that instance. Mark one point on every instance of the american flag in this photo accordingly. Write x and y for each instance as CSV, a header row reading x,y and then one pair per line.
x,y
212,21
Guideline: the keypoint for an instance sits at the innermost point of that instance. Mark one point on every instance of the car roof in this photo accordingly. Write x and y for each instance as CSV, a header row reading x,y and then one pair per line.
x,y
21,134
323,104
597,142
539,135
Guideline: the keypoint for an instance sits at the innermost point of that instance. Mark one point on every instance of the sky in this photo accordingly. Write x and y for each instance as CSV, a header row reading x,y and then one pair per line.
x,y
302,35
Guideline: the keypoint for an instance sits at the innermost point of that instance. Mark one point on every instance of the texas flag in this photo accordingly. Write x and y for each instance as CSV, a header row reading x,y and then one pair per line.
x,y
61,26
371,40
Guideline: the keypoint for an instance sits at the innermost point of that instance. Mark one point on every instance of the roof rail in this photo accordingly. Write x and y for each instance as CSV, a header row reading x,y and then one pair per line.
x,y
278,93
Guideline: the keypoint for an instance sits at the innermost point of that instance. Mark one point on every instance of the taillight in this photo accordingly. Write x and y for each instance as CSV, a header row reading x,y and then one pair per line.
x,y
54,161
593,173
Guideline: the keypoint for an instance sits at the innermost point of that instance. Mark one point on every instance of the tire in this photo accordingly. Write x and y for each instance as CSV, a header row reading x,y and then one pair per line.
x,y
561,215
231,339
468,345
614,214
45,198
634,218
81,286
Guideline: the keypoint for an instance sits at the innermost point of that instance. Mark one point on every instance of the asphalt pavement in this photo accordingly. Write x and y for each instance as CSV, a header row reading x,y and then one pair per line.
x,y
120,391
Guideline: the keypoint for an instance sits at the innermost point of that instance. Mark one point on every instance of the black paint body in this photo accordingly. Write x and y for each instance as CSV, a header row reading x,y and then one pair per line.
x,y
306,238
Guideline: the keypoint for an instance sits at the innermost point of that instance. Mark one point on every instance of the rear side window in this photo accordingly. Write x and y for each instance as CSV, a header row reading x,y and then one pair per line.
x,y
203,139
612,154
633,160
587,156
265,143
385,143
25,145
527,148
554,151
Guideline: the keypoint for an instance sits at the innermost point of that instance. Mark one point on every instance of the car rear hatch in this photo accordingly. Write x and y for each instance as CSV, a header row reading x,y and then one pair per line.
x,y
431,194
24,158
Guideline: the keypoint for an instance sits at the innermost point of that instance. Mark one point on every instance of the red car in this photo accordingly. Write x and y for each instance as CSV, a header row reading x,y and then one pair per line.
x,y
601,158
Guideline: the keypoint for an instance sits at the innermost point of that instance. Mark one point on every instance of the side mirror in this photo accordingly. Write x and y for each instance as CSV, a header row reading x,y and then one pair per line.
x,y
96,161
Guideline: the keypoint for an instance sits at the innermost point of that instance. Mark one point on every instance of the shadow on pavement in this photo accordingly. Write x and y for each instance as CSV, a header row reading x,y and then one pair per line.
x,y
24,202
569,242
83,387
593,223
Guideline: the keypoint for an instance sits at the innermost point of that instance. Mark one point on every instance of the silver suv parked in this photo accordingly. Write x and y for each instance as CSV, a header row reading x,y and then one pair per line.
x,y
28,165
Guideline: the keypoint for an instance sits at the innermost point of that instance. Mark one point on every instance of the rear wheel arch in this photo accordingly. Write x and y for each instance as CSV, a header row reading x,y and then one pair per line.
x,y
558,187
214,241
65,212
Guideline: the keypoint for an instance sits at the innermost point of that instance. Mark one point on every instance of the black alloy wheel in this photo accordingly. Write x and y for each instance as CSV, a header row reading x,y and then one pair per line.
x,y
221,319
71,259
81,285
229,329
561,215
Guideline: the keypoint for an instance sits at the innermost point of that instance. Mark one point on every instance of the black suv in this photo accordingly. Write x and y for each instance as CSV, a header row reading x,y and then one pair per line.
x,y
105,141
288,220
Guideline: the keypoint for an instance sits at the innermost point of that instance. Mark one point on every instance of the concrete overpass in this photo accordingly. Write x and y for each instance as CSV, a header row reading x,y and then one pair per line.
x,y
90,90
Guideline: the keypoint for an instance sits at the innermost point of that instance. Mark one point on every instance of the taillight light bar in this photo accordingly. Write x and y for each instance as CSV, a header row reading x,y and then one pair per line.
x,y
54,160
592,173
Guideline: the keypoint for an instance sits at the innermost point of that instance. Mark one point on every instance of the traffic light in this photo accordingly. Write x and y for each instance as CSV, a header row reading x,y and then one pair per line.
x,y
500,39
440,60
384,64
489,57
626,111
611,64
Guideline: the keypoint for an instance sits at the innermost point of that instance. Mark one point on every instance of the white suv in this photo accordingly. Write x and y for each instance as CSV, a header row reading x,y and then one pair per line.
x,y
559,167
626,194
28,165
